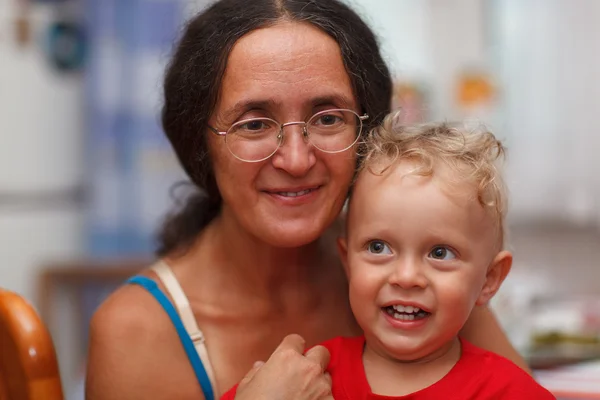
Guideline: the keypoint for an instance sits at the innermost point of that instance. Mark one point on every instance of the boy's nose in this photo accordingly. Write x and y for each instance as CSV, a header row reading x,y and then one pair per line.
x,y
408,274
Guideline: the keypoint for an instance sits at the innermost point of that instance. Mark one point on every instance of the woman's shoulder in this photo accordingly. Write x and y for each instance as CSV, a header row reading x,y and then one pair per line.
x,y
130,307
129,320
133,347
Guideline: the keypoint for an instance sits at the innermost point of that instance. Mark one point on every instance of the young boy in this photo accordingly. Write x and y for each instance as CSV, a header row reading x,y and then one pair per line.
x,y
423,247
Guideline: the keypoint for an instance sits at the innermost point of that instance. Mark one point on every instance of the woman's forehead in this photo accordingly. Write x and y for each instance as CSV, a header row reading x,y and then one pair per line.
x,y
286,36
288,64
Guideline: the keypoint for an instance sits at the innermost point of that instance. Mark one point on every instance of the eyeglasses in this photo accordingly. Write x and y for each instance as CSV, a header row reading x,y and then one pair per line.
x,y
256,139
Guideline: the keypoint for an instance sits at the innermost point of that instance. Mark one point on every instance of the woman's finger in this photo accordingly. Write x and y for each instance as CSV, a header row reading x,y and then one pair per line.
x,y
327,377
293,342
319,355
252,372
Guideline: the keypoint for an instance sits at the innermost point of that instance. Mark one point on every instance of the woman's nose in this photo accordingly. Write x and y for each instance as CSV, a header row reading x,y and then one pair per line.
x,y
295,155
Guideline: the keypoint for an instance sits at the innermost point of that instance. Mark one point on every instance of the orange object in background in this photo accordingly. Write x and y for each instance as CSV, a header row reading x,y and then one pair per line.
x,y
474,89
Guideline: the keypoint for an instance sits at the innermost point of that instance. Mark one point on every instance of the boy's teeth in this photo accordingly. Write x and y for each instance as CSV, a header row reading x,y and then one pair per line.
x,y
406,309
417,313
405,317
294,194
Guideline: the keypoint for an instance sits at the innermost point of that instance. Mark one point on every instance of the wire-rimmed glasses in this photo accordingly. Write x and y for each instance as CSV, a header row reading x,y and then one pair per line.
x,y
256,139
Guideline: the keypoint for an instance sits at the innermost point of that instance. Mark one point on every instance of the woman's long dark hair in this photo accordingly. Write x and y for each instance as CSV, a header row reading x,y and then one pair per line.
x,y
193,80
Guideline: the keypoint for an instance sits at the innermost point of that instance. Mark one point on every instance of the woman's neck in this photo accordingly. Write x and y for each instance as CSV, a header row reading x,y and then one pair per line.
x,y
253,272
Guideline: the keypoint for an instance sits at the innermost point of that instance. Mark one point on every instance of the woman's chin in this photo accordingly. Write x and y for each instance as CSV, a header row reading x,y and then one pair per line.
x,y
292,235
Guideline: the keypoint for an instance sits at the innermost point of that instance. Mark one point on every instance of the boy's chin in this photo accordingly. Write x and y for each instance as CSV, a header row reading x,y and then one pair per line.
x,y
419,351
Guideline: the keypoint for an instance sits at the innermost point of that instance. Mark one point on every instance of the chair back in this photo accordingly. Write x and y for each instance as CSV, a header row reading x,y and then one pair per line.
x,y
28,364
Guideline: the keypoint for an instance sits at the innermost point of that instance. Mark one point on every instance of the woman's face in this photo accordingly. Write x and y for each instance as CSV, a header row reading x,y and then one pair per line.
x,y
286,72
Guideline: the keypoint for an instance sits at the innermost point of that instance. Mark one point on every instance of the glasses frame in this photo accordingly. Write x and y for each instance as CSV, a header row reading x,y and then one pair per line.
x,y
305,133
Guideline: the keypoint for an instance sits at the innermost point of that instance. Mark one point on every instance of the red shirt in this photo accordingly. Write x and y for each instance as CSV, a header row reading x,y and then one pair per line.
x,y
479,374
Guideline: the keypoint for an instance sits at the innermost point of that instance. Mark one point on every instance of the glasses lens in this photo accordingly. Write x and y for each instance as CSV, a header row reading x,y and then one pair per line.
x,y
253,139
333,131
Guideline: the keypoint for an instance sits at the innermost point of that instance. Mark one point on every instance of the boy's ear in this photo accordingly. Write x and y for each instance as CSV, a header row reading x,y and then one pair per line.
x,y
342,245
497,272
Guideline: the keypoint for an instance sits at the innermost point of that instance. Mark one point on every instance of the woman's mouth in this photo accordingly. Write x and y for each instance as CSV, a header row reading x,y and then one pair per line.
x,y
295,194
405,313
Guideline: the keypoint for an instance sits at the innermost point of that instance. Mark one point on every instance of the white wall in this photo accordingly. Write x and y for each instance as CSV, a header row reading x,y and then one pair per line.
x,y
545,55
403,28
40,154
548,60
429,41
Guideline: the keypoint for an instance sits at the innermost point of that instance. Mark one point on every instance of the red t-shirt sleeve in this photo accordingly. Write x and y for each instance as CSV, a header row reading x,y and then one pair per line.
x,y
519,385
495,377
524,387
527,390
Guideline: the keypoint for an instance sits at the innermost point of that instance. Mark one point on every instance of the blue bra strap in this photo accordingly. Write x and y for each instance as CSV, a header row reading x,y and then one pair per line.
x,y
186,341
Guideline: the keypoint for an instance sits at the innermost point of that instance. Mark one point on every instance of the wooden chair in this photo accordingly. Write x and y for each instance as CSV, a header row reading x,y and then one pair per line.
x,y
28,365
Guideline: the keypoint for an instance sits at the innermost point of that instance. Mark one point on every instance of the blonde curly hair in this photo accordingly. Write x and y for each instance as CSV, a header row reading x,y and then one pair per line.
x,y
473,153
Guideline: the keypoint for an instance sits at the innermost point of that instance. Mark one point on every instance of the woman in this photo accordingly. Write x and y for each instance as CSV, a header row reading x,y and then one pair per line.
x,y
263,104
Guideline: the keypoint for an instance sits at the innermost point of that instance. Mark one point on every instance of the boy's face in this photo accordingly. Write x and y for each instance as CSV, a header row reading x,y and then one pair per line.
x,y
419,255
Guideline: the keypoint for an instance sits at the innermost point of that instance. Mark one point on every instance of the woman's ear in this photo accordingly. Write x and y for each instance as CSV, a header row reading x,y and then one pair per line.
x,y
342,246
497,272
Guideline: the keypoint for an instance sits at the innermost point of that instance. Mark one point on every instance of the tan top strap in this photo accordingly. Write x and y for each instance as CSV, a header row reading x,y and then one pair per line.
x,y
182,305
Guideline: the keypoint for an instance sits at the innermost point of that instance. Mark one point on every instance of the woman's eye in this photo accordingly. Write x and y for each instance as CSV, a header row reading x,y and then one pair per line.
x,y
442,253
378,247
254,125
328,119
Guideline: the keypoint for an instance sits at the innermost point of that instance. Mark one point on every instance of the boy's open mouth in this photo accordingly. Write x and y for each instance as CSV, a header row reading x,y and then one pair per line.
x,y
405,313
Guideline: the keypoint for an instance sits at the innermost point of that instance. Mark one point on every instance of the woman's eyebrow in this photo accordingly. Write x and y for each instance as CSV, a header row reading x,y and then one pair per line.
x,y
336,99
248,104
253,104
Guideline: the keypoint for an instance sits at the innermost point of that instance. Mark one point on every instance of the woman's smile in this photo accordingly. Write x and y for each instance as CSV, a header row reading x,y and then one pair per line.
x,y
295,196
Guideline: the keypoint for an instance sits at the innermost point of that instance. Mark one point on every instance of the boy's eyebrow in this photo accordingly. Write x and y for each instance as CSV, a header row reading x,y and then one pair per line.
x,y
458,240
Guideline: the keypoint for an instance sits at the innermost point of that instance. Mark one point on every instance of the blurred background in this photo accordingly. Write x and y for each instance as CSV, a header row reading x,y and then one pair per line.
x,y
85,172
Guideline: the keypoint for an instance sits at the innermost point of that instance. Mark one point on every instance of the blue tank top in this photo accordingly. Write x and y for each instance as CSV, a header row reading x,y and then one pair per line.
x,y
185,339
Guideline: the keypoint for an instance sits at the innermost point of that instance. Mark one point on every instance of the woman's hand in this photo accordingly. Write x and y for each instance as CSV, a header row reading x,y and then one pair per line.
x,y
289,374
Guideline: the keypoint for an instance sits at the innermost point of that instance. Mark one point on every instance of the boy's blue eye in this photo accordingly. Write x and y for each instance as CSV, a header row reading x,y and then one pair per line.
x,y
442,253
378,247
